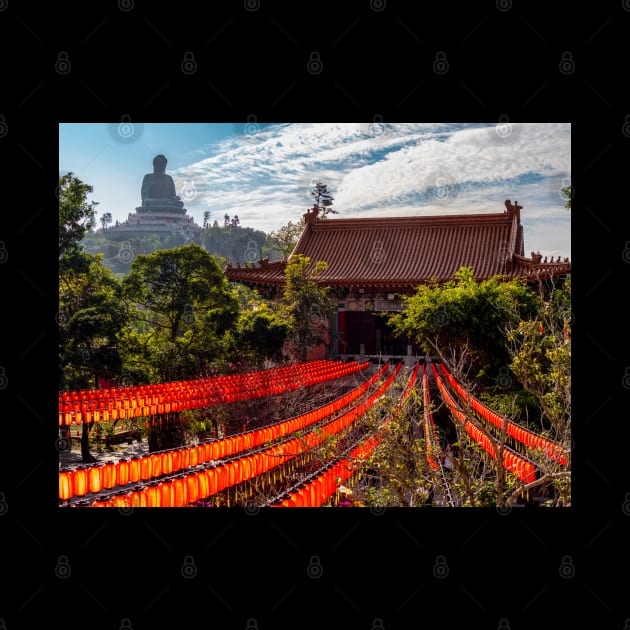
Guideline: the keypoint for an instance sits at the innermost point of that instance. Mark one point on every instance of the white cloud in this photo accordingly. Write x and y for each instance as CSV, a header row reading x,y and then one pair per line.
x,y
389,169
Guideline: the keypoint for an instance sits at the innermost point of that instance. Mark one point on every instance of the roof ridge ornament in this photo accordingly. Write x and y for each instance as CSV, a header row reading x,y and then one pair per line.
x,y
311,215
512,207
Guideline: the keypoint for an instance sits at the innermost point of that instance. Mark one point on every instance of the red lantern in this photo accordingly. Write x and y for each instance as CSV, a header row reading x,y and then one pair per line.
x,y
167,462
134,469
192,488
66,490
80,481
180,491
156,464
122,472
193,456
109,475
203,484
138,497
185,458
176,456
95,482
153,494
167,494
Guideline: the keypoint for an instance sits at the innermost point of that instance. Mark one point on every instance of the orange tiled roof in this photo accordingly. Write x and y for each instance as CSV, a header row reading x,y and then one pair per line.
x,y
407,251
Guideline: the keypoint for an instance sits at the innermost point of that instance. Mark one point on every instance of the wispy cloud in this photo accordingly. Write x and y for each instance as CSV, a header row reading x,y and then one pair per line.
x,y
265,175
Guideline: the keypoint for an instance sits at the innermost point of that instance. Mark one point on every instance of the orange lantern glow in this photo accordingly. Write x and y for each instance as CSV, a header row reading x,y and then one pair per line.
x,y
167,462
180,493
153,494
192,488
145,468
95,482
156,464
167,494
80,481
122,472
134,469
109,475
66,490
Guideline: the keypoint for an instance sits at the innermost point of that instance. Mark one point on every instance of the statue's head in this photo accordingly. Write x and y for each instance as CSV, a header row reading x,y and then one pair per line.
x,y
159,163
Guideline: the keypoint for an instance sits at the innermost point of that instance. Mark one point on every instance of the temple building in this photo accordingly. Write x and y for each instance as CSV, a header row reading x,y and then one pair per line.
x,y
373,262
162,212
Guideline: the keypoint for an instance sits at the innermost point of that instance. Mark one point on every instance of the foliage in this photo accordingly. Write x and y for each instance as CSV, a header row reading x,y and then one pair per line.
x,y
323,200
281,242
466,314
261,333
307,305
540,349
235,243
183,310
91,318
76,214
567,193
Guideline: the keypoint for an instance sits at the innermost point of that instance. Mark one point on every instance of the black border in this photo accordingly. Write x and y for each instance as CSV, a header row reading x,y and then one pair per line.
x,y
256,566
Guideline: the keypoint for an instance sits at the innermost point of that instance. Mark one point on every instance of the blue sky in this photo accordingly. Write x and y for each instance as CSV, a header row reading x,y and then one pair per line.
x,y
264,172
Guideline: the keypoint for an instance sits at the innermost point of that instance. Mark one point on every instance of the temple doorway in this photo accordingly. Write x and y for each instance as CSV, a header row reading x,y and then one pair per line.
x,y
363,332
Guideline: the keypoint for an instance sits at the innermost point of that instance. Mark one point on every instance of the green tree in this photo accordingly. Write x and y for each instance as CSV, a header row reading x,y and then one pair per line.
x,y
323,200
540,348
76,214
184,312
465,315
281,242
261,333
206,219
106,219
183,306
567,193
91,314
91,319
307,305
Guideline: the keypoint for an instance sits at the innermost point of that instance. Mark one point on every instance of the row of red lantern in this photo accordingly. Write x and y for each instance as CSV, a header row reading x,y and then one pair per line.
x,y
433,450
216,383
114,404
215,478
519,466
315,492
93,479
155,393
180,490
243,468
520,434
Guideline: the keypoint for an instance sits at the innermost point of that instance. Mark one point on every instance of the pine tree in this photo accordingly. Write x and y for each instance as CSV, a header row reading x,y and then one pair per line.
x,y
323,199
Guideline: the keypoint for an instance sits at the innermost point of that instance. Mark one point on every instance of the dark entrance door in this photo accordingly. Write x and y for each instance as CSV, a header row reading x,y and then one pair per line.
x,y
360,329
